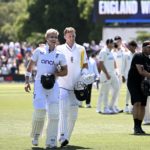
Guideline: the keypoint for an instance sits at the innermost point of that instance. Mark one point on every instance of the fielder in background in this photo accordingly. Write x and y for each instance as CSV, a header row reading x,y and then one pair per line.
x,y
108,79
46,90
139,70
126,62
92,69
118,52
77,64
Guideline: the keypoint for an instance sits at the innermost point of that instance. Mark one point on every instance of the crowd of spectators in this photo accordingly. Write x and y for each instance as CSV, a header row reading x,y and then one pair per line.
x,y
15,54
12,56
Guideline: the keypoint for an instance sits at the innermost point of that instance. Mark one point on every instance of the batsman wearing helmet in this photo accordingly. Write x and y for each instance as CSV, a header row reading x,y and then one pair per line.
x,y
46,90
77,62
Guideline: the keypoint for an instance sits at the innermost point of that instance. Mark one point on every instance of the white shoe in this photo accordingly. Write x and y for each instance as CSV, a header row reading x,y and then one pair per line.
x,y
88,106
117,109
146,123
51,147
35,142
107,111
98,111
126,110
113,110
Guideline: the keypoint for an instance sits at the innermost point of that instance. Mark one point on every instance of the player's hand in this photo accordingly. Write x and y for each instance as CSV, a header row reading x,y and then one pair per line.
x,y
27,87
123,79
108,76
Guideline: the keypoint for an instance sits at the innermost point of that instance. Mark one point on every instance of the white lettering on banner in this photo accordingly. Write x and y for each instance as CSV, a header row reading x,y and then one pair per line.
x,y
145,7
114,7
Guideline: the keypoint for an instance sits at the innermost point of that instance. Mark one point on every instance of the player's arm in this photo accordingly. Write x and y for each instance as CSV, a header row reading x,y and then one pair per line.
x,y
142,71
28,75
62,71
85,66
102,67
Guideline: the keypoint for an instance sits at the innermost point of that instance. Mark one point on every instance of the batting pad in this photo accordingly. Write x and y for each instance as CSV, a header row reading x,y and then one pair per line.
x,y
38,122
52,127
71,120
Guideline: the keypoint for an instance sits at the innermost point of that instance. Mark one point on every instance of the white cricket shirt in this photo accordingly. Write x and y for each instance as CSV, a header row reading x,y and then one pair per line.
x,y
47,61
73,56
107,57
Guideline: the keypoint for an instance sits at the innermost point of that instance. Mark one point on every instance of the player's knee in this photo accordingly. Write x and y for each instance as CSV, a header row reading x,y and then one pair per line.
x,y
53,111
39,114
73,113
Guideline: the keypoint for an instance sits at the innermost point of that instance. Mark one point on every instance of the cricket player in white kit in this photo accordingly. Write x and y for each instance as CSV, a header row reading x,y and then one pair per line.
x,y
126,63
147,112
118,53
47,60
77,63
108,78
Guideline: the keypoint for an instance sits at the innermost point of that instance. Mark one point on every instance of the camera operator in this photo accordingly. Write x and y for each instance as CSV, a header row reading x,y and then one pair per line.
x,y
138,71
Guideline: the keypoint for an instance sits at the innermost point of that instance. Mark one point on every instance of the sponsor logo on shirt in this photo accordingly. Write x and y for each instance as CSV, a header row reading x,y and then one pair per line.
x,y
50,62
119,56
42,53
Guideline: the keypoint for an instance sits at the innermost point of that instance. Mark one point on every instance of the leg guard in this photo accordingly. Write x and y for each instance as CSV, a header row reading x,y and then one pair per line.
x,y
38,122
52,127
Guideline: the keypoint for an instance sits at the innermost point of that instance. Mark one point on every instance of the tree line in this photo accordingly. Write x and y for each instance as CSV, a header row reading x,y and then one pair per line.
x,y
27,20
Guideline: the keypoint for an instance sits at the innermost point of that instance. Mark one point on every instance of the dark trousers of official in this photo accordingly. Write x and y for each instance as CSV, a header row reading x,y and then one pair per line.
x,y
88,100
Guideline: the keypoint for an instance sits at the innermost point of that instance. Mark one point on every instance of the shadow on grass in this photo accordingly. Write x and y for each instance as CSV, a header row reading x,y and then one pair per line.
x,y
72,147
69,147
37,148
146,124
147,134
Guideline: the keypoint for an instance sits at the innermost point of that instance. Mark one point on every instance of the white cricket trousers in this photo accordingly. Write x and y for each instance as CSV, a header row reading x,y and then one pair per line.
x,y
45,101
106,86
68,111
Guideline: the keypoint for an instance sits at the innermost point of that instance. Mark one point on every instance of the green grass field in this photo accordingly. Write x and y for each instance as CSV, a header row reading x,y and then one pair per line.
x,y
92,130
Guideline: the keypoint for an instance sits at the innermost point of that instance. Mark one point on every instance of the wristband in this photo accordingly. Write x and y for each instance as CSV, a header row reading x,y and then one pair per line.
x,y
28,74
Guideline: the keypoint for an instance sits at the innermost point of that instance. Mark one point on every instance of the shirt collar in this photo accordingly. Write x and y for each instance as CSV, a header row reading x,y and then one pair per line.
x,y
107,49
68,47
48,49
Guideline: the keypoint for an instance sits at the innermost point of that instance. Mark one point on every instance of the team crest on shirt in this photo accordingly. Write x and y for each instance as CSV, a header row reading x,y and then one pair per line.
x,y
42,53
71,59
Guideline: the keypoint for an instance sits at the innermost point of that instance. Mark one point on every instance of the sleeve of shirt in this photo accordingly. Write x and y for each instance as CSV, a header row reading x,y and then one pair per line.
x,y
124,66
63,61
85,57
101,56
96,69
34,57
137,60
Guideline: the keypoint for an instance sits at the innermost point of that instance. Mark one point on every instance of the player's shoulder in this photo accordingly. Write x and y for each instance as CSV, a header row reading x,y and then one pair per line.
x,y
103,51
127,53
59,47
39,50
138,56
79,46
59,54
